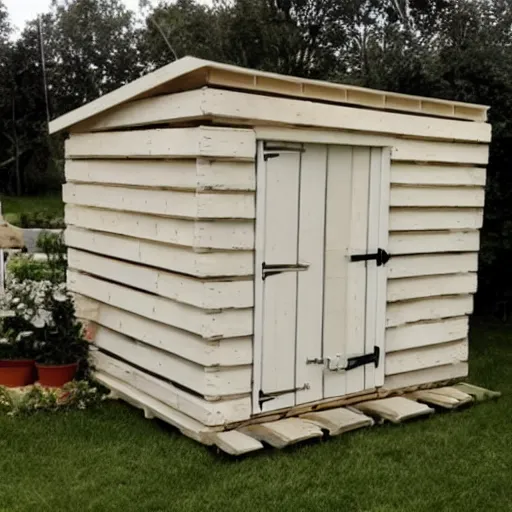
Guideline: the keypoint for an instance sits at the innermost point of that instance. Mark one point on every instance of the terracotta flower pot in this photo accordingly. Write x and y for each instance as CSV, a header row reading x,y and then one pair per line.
x,y
55,376
17,373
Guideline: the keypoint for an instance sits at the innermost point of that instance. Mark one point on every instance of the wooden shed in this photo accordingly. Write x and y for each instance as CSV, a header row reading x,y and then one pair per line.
x,y
245,243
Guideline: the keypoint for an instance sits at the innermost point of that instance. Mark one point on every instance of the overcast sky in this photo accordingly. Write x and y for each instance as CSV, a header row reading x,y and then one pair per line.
x,y
21,11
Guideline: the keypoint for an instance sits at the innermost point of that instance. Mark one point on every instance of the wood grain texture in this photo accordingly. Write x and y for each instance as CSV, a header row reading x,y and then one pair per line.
x,y
426,376
167,203
208,103
207,382
205,323
229,352
420,174
155,409
221,234
422,334
418,287
415,359
191,174
432,308
232,143
432,264
413,196
418,242
195,292
210,413
310,287
183,260
432,219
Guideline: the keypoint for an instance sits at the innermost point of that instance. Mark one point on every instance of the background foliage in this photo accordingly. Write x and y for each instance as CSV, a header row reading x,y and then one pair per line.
x,y
454,49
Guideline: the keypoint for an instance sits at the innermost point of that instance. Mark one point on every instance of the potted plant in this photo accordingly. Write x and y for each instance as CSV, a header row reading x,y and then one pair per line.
x,y
17,359
47,311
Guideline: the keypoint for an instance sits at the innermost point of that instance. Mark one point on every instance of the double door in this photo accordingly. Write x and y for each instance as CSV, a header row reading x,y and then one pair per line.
x,y
322,224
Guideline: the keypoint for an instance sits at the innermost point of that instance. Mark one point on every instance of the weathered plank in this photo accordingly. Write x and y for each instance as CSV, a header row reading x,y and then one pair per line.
x,y
423,334
169,257
207,382
152,407
447,397
221,234
210,413
431,264
418,287
230,323
428,309
425,219
478,393
414,242
426,376
413,196
405,173
260,109
168,203
395,409
338,421
200,293
178,143
427,357
282,433
191,174
235,443
229,352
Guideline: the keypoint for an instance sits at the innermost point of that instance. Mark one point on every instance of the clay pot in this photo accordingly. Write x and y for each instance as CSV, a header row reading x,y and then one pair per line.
x,y
17,373
55,376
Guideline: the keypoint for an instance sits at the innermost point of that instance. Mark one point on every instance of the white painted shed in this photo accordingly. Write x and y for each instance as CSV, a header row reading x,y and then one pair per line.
x,y
246,244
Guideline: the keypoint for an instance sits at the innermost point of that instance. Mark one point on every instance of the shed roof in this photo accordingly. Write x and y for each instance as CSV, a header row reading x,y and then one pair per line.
x,y
192,73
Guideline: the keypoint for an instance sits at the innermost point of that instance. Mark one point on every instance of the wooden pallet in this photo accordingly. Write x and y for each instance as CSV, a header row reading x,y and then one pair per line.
x,y
281,432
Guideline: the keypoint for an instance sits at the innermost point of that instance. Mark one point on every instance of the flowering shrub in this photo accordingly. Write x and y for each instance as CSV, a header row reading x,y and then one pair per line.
x,y
74,395
43,318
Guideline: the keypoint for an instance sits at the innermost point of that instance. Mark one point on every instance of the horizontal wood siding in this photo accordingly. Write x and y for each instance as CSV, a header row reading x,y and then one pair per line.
x,y
161,262
167,203
215,234
435,217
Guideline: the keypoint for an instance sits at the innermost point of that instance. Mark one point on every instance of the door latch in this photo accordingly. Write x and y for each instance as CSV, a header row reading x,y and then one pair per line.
x,y
381,257
265,397
340,364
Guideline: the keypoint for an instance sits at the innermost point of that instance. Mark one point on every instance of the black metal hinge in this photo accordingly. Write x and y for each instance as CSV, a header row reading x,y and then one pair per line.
x,y
356,362
275,151
272,270
266,397
381,257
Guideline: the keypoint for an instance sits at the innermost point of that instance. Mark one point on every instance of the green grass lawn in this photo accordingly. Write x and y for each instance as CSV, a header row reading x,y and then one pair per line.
x,y
110,458
13,207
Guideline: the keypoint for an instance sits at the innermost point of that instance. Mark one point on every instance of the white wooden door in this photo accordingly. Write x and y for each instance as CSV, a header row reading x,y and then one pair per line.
x,y
315,309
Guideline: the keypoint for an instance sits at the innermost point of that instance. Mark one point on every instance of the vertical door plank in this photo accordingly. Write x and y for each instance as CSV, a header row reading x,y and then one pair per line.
x,y
372,270
310,282
356,279
280,291
259,257
337,236
382,276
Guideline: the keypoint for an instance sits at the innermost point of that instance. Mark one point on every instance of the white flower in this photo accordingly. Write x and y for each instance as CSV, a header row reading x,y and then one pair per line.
x,y
4,341
59,296
21,307
24,334
38,322
15,301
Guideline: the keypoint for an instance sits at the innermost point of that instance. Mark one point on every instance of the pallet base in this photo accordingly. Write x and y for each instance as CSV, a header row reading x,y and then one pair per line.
x,y
280,431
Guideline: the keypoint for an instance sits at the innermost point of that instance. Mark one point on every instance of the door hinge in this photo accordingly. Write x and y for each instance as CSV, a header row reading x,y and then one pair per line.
x,y
381,257
275,151
265,397
272,270
340,364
